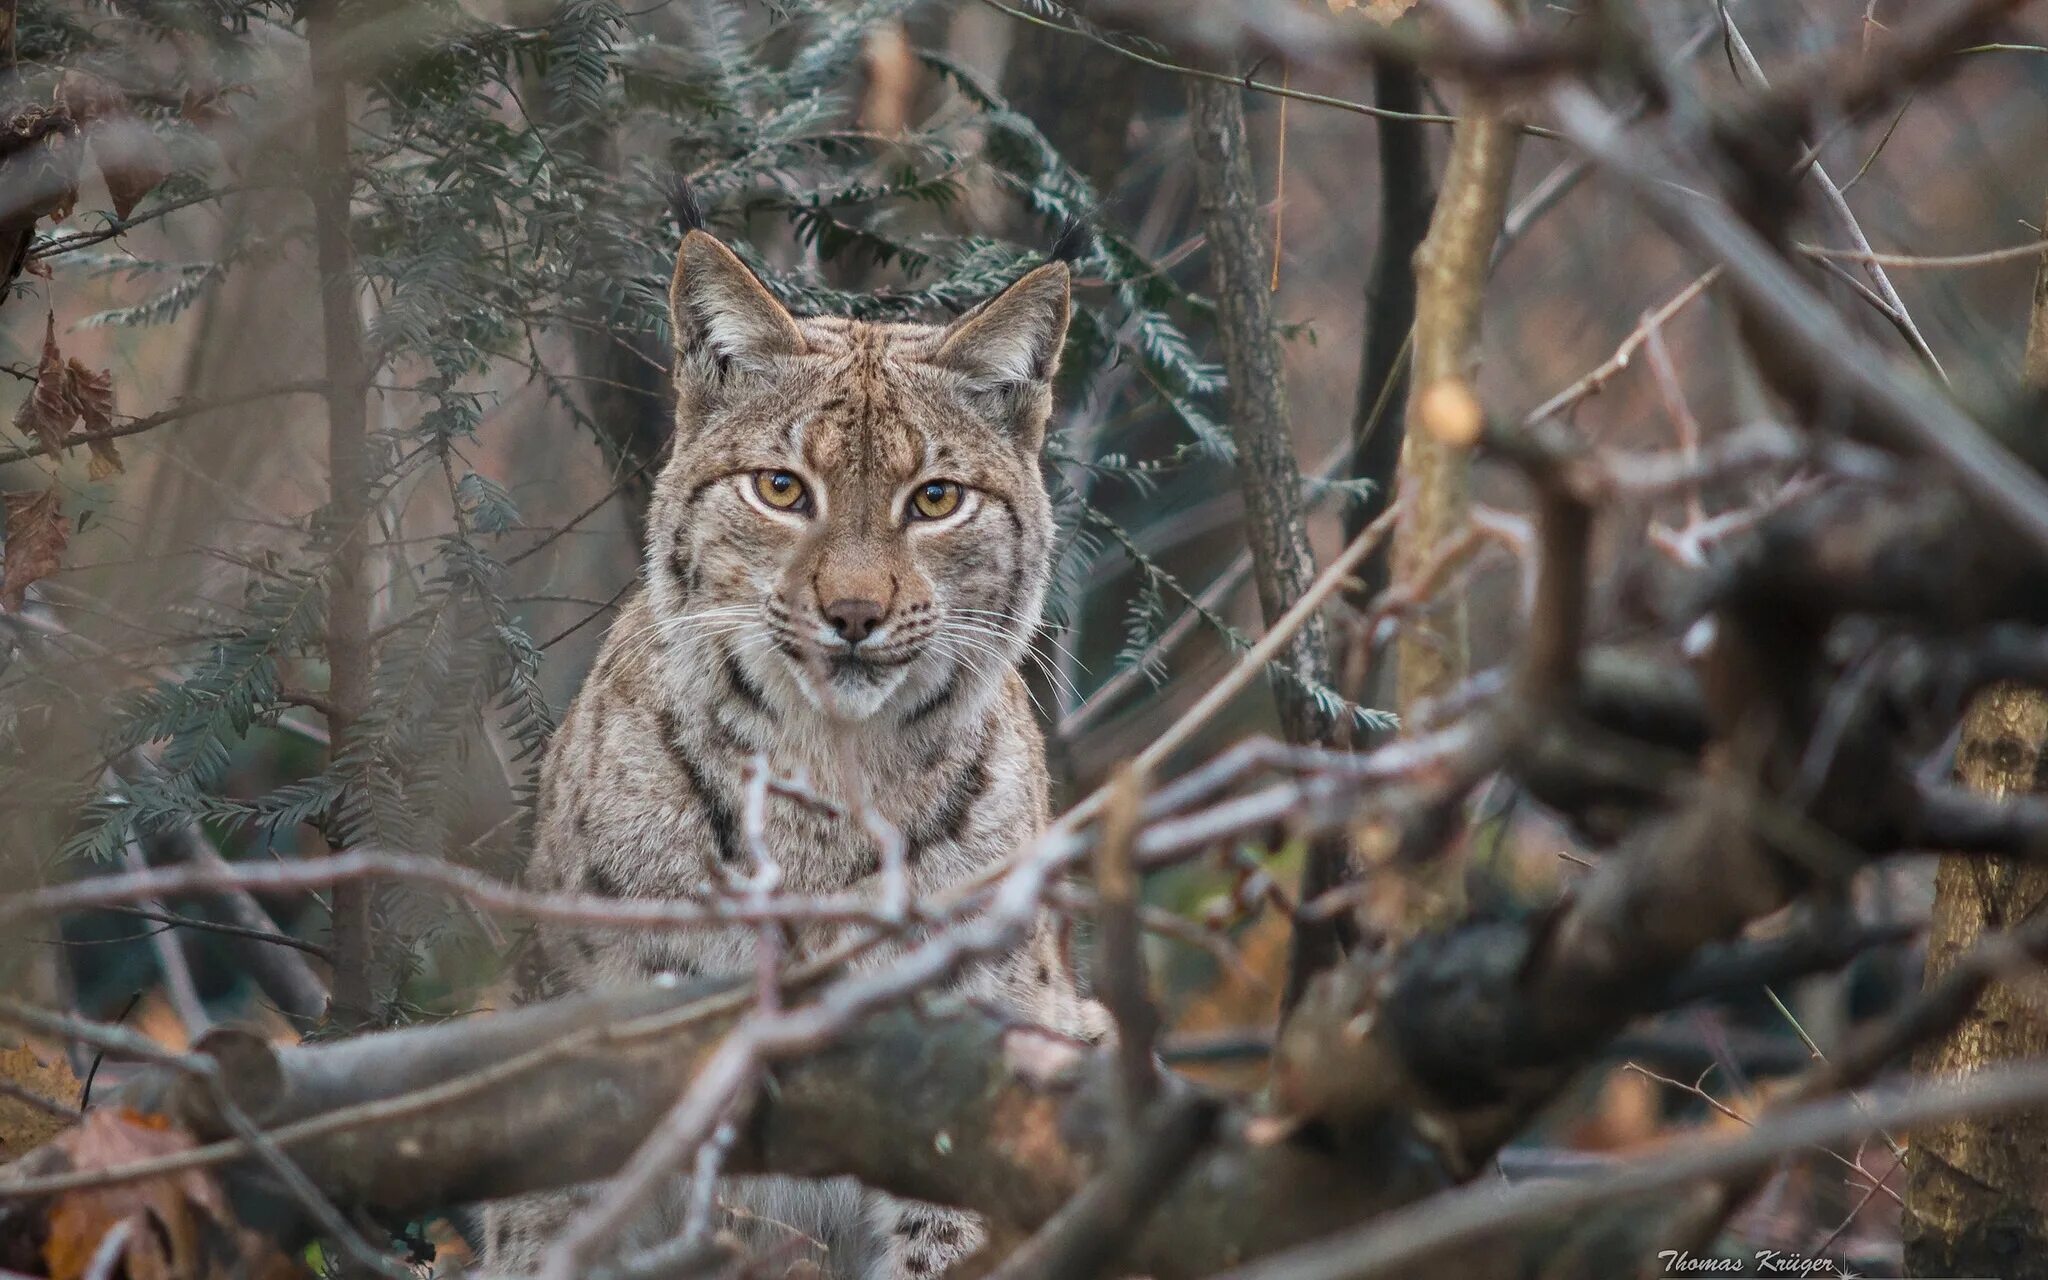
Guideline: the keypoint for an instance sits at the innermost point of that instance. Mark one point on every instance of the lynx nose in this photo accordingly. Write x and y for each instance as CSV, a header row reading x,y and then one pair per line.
x,y
854,619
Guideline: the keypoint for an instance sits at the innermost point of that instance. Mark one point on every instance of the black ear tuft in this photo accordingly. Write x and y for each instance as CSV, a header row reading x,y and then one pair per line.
x,y
1075,243
682,201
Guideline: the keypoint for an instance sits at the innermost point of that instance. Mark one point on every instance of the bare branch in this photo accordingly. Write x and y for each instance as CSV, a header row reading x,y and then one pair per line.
x,y
1120,968
1397,1243
176,413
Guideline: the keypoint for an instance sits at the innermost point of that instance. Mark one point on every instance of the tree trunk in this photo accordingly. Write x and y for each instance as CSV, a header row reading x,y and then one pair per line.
x,y
1450,274
1283,563
1407,201
1976,1188
348,462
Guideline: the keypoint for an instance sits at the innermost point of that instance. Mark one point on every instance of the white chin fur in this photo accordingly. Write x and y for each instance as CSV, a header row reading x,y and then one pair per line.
x,y
851,697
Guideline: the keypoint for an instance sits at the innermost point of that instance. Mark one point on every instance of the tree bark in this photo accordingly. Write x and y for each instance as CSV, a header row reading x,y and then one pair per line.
x,y
1442,418
1407,201
1450,275
1976,1188
1282,560
348,465
962,1108
1283,563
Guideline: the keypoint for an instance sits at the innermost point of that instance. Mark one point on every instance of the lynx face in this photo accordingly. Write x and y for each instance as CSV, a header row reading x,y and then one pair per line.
x,y
853,518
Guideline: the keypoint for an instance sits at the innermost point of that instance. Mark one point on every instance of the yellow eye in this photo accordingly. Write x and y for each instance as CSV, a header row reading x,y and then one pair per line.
x,y
935,500
781,490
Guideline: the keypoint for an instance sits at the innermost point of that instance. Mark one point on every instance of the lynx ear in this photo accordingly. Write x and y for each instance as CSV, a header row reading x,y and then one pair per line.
x,y
722,313
1013,341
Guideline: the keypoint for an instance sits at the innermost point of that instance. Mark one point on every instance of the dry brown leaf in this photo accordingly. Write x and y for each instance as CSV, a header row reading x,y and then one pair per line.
x,y
178,1225
105,460
164,1242
62,155
210,104
92,394
23,1125
37,532
89,97
70,395
208,107
131,157
1240,998
205,100
158,1020
49,411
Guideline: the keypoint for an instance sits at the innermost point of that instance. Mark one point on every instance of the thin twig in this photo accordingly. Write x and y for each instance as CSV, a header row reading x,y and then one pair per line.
x,y
1652,320
1398,1243
1909,261
176,413
1120,980
29,1097
225,929
1242,82
1846,216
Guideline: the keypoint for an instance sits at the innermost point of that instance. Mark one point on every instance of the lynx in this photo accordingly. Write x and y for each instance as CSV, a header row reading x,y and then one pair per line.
x,y
847,555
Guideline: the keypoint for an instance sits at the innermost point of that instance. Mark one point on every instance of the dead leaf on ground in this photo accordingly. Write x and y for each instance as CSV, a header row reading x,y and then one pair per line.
x,y
25,1126
37,533
178,1226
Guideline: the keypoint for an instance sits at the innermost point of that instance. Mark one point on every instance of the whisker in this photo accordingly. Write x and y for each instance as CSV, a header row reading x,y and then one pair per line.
x,y
1036,657
954,644
657,625
703,630
1041,630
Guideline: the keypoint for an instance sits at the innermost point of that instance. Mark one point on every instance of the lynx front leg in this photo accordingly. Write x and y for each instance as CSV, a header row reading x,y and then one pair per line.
x,y
517,1233
921,1241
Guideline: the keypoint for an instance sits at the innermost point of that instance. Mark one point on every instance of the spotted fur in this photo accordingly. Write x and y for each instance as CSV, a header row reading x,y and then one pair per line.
x,y
848,640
